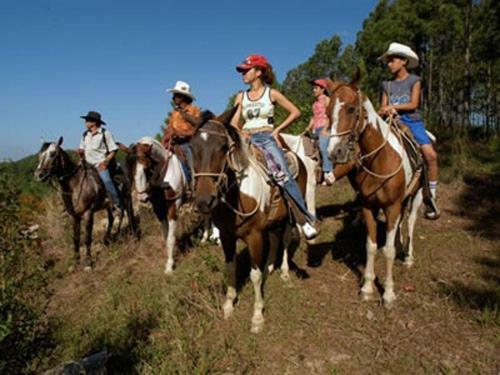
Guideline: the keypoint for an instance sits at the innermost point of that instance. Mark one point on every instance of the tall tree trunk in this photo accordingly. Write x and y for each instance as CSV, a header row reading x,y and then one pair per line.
x,y
467,73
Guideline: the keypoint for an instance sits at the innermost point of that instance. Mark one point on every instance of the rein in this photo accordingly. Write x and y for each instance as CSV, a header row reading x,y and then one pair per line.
x,y
357,135
222,177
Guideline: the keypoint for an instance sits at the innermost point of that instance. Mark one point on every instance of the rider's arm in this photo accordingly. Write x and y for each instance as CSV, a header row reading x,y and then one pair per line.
x,y
235,121
327,103
383,104
283,101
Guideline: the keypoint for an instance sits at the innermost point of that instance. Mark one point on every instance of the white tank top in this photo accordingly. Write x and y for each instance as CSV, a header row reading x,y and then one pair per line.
x,y
258,113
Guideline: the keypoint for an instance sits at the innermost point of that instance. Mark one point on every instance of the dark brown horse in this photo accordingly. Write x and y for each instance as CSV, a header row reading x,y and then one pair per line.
x,y
83,194
370,151
233,189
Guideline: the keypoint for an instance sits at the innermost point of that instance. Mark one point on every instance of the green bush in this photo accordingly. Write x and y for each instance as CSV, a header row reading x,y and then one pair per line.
x,y
23,297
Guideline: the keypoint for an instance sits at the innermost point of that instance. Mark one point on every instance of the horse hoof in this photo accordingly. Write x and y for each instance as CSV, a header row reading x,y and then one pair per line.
x,y
228,311
270,268
368,296
285,276
168,270
408,263
87,268
389,301
257,325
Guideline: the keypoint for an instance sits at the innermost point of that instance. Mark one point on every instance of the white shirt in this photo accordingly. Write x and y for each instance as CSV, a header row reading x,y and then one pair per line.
x,y
258,113
94,146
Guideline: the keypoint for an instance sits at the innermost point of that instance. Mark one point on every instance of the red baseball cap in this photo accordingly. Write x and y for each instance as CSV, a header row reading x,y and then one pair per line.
x,y
320,82
252,61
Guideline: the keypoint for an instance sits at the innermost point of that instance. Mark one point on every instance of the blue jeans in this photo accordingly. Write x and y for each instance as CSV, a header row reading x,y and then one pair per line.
x,y
323,148
279,168
110,186
189,156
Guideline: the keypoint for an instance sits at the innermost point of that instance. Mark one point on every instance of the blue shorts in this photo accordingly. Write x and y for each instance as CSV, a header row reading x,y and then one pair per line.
x,y
417,128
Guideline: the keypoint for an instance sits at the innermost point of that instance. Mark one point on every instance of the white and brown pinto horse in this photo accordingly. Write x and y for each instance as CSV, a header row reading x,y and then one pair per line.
x,y
365,146
233,189
159,179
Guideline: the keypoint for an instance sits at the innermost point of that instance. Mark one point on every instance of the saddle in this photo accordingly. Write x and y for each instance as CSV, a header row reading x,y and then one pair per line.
x,y
277,192
418,166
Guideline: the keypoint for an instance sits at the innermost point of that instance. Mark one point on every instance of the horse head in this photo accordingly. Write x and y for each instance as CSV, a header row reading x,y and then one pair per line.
x,y
217,149
49,160
145,161
346,113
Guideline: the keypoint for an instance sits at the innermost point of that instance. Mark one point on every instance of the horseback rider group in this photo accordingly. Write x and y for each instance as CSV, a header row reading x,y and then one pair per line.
x,y
256,107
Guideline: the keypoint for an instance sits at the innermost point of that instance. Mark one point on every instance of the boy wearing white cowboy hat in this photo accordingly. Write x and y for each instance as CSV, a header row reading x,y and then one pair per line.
x,y
179,131
401,95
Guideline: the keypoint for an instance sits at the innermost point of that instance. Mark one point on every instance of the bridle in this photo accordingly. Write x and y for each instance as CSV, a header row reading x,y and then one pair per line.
x,y
357,131
221,177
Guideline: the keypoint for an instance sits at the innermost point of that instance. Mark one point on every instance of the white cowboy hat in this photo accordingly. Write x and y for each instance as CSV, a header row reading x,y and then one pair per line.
x,y
397,49
182,88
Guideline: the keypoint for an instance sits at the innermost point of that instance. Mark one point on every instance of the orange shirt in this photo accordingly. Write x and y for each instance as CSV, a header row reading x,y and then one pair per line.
x,y
178,125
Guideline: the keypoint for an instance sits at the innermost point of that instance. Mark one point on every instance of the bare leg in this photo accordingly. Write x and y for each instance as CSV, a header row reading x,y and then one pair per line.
x,y
430,157
368,289
393,214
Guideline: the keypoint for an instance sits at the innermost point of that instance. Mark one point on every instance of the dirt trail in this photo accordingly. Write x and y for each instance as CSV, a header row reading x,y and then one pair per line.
x,y
446,317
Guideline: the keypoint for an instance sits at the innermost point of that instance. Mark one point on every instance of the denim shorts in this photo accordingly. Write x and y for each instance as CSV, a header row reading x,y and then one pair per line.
x,y
417,128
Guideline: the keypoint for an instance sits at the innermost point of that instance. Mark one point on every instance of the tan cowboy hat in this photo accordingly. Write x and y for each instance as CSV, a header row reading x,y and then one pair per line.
x,y
182,88
401,50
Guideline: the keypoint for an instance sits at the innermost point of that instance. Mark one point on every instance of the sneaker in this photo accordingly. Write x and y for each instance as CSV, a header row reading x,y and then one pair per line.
x,y
309,231
329,178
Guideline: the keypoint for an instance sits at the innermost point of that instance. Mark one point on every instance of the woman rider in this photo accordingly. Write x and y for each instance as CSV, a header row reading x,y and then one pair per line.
x,y
319,124
256,106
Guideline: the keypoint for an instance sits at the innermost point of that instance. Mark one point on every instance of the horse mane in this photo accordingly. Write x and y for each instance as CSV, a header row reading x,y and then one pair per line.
x,y
239,157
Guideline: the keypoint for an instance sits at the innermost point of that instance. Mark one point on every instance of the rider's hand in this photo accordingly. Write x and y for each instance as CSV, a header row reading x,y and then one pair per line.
x,y
276,136
102,166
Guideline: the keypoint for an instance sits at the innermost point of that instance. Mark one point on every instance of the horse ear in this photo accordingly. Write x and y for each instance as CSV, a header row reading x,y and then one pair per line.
x,y
42,140
123,148
60,141
228,115
356,78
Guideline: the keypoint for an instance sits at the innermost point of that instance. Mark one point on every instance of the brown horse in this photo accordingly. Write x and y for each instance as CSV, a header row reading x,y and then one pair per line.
x,y
230,186
368,149
83,194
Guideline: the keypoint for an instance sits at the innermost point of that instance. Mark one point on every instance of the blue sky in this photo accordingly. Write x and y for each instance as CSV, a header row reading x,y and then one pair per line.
x,y
61,58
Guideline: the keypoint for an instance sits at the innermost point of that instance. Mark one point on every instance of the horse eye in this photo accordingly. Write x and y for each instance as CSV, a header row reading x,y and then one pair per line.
x,y
52,154
351,110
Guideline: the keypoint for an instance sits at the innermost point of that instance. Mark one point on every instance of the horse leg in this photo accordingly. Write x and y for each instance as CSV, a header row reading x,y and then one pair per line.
x,y
172,225
215,236
393,215
131,218
76,238
229,247
255,245
368,289
415,205
206,229
109,227
290,244
274,237
88,240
